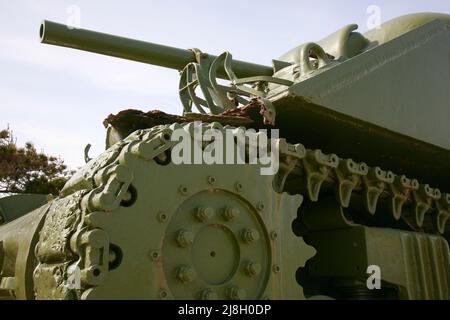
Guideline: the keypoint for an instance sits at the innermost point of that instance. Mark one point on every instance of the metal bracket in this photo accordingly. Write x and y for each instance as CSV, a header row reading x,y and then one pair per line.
x,y
374,184
317,167
443,212
423,198
290,155
86,153
400,190
218,98
348,174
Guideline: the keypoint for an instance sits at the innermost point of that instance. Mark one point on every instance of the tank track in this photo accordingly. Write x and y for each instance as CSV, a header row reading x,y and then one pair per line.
x,y
367,196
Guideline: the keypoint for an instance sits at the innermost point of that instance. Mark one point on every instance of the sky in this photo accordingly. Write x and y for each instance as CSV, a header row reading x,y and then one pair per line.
x,y
58,97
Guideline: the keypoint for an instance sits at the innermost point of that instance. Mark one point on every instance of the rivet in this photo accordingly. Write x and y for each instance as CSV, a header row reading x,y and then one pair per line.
x,y
183,190
208,294
211,180
154,255
185,238
276,268
238,186
260,206
273,235
250,235
163,294
252,269
236,293
231,213
204,213
185,274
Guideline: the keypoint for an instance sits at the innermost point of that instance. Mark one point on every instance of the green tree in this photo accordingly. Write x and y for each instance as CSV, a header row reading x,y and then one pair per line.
x,y
24,170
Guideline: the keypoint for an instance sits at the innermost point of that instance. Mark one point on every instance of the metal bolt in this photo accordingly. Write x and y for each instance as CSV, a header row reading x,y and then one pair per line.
x,y
231,213
250,235
208,294
154,255
238,186
183,190
260,206
276,268
273,235
252,269
204,213
162,217
236,293
185,238
211,180
185,274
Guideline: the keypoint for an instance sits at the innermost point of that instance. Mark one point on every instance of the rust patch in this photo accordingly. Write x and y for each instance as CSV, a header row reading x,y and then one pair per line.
x,y
130,120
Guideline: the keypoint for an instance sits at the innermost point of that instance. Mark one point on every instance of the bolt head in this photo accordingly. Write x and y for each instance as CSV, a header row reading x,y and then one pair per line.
x,y
185,238
208,294
203,214
185,274
252,269
231,213
236,293
250,235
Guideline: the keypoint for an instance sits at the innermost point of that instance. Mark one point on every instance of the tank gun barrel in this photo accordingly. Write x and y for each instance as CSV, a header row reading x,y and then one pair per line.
x,y
136,50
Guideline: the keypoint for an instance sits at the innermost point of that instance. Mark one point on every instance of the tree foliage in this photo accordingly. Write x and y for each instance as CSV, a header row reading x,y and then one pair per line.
x,y
25,170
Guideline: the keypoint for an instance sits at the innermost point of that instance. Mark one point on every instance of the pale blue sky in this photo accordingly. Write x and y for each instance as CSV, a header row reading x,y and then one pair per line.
x,y
58,97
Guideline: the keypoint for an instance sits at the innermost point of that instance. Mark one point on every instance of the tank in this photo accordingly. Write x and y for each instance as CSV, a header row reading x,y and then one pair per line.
x,y
355,128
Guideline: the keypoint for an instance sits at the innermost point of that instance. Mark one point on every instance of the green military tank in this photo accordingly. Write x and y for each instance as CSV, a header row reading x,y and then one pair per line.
x,y
358,207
